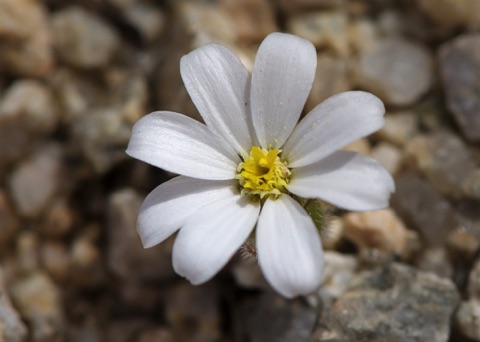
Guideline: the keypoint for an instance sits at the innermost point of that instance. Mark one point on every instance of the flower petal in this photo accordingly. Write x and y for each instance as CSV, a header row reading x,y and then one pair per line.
x,y
282,78
218,84
181,145
345,179
289,249
211,236
336,122
170,204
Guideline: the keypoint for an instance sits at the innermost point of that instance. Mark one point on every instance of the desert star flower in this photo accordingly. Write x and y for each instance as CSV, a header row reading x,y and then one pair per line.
x,y
242,170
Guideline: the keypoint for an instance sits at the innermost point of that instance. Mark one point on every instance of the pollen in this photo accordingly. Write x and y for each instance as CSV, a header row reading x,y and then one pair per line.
x,y
263,173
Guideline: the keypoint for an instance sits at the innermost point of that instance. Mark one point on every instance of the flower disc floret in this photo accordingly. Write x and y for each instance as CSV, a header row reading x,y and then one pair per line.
x,y
263,173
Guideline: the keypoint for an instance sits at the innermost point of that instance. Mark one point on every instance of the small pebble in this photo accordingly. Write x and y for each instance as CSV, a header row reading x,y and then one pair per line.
x,y
381,229
77,33
398,71
443,158
389,156
35,181
38,300
467,319
458,58
324,29
339,270
12,329
400,128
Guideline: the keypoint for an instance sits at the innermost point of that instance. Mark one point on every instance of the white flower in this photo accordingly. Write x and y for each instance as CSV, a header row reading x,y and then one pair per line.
x,y
238,170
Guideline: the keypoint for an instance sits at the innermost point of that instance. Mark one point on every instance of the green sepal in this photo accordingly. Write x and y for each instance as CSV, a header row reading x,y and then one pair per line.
x,y
315,210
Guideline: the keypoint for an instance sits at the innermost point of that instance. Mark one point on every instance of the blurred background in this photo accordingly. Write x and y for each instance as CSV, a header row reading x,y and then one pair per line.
x,y
76,75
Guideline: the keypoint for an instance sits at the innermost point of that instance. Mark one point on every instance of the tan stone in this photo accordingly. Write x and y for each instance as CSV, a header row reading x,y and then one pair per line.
x,y
463,243
324,29
363,35
381,230
452,13
253,20
399,128
361,145
331,78
38,300
25,38
389,156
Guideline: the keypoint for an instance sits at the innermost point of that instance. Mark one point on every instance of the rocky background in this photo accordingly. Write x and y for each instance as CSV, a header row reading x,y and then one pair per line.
x,y
74,77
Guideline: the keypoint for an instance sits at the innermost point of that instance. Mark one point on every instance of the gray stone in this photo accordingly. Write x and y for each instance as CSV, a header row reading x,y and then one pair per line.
x,y
126,256
459,65
35,181
423,208
339,270
30,100
38,300
25,38
444,159
396,70
82,39
467,319
394,303
27,114
273,318
12,329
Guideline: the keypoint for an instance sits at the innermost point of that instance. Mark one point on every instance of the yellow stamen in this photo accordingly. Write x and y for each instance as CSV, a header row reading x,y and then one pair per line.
x,y
263,173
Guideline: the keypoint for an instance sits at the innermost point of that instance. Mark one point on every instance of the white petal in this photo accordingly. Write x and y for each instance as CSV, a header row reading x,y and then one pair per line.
x,y
345,179
210,237
289,249
282,78
169,205
218,84
336,122
181,145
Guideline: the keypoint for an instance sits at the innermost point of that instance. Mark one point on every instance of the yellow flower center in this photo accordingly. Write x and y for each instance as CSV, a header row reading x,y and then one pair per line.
x,y
263,173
